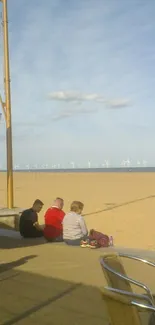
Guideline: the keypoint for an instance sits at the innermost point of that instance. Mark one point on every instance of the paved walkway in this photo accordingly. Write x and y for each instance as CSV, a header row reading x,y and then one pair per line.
x,y
9,233
54,284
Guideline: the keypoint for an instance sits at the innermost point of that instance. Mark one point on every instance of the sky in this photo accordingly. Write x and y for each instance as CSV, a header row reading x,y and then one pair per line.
x,y
82,82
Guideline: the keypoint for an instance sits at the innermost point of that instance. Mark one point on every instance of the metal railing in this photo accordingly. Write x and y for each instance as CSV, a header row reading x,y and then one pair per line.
x,y
128,279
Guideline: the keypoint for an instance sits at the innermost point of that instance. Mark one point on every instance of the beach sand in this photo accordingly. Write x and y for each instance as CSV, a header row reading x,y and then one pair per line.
x,y
118,204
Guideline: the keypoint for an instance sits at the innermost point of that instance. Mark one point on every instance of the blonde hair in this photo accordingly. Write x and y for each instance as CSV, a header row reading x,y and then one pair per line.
x,y
77,206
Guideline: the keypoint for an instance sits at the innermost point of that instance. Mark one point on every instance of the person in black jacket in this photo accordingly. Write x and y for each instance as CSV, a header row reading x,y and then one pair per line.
x,y
28,224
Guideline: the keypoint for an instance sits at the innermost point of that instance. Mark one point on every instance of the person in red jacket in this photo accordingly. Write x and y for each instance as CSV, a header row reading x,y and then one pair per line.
x,y
53,221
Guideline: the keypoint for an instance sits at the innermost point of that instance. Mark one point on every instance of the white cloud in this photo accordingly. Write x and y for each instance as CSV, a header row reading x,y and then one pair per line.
x,y
79,98
119,103
72,96
76,97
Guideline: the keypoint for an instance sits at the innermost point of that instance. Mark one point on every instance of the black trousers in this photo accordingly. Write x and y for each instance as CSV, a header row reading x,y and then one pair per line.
x,y
31,233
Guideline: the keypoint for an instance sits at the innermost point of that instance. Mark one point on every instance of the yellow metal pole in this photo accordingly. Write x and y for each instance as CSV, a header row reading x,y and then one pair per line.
x,y
8,108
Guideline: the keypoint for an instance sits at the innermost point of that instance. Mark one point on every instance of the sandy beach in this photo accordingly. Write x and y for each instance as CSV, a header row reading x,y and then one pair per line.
x,y
121,204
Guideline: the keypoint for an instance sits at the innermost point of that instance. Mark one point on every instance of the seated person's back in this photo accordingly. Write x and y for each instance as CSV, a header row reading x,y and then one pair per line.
x,y
74,227
28,224
53,221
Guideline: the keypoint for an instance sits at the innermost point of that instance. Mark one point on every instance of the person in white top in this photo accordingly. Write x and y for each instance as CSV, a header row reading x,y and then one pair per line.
x,y
74,226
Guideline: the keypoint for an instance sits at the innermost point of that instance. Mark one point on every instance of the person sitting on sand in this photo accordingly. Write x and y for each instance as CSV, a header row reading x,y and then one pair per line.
x,y
28,224
53,221
74,226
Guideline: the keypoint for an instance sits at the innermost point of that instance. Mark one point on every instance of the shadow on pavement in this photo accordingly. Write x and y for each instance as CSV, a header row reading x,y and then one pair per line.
x,y
28,298
8,266
31,299
10,243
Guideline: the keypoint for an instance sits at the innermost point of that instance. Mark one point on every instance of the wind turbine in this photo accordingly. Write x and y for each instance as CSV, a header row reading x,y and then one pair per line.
x,y
107,163
144,163
123,163
44,166
27,166
128,162
73,164
89,164
138,163
16,167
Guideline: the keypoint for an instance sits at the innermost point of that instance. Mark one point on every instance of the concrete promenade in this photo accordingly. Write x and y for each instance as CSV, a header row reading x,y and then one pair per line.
x,y
43,283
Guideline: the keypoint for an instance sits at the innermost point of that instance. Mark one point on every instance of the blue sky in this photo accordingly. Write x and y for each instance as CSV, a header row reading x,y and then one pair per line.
x,y
82,81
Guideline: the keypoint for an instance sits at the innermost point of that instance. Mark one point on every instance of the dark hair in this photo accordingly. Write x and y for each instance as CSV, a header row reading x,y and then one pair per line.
x,y
38,202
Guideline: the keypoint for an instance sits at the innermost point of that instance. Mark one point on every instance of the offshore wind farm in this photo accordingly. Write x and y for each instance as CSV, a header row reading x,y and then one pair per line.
x,y
106,166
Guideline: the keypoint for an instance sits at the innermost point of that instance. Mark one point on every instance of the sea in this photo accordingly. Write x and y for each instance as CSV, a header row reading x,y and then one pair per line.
x,y
88,170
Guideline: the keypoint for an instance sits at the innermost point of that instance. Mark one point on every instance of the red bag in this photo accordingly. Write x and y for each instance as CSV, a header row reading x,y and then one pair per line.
x,y
101,239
